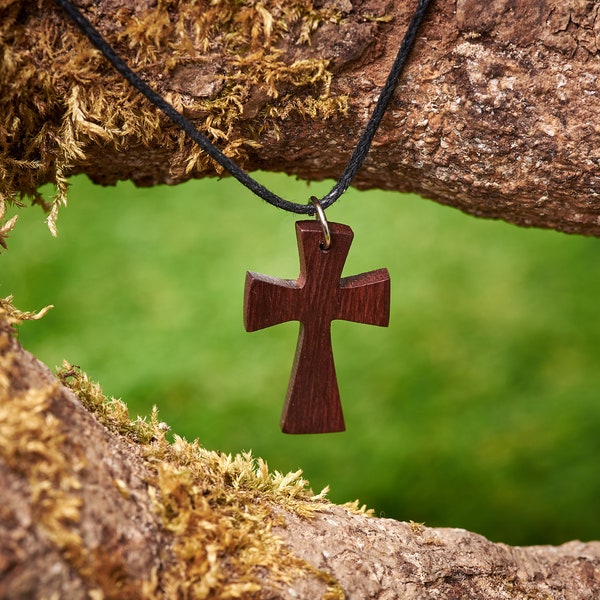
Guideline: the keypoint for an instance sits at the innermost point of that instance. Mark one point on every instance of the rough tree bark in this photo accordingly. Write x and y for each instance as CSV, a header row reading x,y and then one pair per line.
x,y
496,113
94,506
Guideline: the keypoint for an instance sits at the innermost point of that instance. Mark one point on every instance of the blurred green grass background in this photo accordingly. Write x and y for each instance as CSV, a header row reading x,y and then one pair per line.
x,y
477,408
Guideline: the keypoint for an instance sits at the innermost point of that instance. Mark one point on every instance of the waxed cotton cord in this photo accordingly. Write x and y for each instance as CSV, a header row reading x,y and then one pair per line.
x,y
356,160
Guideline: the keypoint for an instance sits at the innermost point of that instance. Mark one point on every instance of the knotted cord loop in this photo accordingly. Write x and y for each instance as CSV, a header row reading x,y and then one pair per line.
x,y
356,160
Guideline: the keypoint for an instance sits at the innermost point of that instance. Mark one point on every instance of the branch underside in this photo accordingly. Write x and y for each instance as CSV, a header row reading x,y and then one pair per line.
x,y
495,113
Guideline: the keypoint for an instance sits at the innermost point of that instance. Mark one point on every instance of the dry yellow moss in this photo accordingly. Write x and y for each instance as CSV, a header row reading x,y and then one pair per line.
x,y
219,508
32,443
35,445
11,316
60,97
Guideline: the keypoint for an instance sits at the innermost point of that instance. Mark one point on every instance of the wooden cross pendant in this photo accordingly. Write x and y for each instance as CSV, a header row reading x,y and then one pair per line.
x,y
317,297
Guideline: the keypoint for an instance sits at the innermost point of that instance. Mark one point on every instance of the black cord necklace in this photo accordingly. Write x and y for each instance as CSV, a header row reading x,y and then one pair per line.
x,y
319,295
356,160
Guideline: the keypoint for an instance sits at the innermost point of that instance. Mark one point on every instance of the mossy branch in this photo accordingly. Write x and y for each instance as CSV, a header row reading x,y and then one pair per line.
x,y
494,115
97,505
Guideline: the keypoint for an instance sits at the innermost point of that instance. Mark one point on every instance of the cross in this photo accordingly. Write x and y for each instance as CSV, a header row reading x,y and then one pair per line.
x,y
316,298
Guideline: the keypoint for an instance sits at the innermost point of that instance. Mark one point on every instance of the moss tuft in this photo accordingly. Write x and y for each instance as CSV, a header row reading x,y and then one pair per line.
x,y
112,413
11,316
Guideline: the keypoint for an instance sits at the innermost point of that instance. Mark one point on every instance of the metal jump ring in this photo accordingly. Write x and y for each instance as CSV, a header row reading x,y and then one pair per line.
x,y
320,216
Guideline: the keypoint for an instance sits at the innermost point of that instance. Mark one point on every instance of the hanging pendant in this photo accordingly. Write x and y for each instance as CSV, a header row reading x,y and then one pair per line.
x,y
316,298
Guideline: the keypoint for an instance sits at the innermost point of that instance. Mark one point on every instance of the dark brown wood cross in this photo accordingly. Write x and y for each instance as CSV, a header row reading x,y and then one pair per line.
x,y
316,298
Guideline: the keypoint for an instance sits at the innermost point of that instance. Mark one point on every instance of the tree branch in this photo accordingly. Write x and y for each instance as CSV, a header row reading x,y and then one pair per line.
x,y
495,113
94,505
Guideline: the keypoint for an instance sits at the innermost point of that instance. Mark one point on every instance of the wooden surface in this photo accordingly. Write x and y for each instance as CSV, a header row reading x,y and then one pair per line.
x,y
317,297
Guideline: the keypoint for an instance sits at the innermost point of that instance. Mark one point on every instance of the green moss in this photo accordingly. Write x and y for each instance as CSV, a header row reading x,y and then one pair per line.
x,y
112,413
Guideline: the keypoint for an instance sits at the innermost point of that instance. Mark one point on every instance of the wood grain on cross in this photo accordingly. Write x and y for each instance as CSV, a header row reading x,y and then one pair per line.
x,y
316,298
